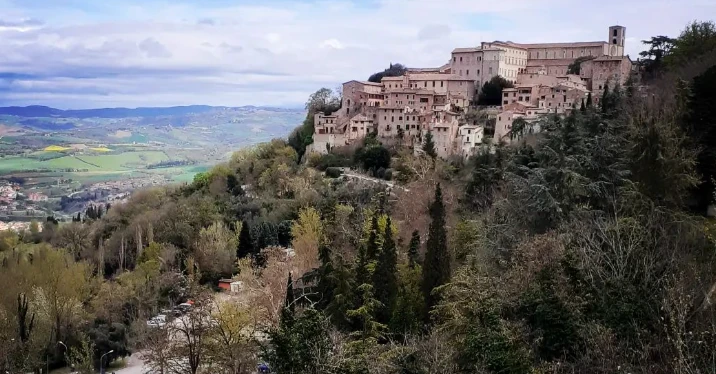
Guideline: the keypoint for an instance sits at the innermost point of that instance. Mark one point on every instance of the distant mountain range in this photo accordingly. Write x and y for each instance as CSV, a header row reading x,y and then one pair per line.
x,y
35,111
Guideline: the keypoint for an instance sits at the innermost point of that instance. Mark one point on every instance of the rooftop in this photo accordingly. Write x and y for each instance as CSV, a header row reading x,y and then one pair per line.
x,y
612,58
364,82
559,45
439,77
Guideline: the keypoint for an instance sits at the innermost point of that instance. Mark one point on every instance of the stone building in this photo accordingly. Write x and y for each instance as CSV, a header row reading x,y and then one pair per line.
x,y
435,99
509,59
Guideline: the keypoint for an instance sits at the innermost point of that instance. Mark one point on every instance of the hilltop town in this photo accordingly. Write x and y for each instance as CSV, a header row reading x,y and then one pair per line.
x,y
545,78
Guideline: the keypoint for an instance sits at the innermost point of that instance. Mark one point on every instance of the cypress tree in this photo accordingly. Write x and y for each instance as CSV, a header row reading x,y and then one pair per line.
x,y
589,100
606,99
414,249
385,280
326,280
372,245
246,244
582,108
288,312
429,145
436,271
343,294
362,272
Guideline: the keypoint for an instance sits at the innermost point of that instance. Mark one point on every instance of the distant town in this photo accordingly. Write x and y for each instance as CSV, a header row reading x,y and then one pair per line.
x,y
538,79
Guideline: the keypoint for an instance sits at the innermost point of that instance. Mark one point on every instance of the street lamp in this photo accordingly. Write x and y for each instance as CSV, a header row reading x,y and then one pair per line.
x,y
66,349
101,362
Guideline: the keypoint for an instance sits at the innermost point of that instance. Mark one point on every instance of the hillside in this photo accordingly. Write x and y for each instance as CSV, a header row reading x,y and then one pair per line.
x,y
585,247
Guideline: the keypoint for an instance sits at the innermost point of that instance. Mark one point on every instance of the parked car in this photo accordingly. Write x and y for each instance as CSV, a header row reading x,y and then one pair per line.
x,y
156,322
185,307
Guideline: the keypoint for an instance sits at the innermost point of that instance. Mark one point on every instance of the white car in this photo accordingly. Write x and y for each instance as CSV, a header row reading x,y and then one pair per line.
x,y
154,322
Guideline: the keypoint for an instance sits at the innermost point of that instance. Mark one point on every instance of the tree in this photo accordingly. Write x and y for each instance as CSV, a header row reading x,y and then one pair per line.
x,y
215,252
697,39
407,318
491,93
233,186
394,70
373,157
324,100
414,249
589,100
288,312
106,337
576,66
385,282
191,335
429,145
246,243
582,108
700,126
299,348
82,358
652,60
437,258
308,236
372,245
606,99
231,339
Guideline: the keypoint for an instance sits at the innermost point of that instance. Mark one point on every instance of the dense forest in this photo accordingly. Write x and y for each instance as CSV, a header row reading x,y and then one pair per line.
x,y
584,248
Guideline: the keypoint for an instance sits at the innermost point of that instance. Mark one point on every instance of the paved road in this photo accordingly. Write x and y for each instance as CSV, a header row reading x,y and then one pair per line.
x,y
351,174
134,366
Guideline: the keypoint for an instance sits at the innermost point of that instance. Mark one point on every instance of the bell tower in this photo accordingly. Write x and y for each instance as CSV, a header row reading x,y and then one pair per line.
x,y
616,40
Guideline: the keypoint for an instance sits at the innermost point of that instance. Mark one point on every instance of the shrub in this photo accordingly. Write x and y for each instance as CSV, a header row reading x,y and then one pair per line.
x,y
333,172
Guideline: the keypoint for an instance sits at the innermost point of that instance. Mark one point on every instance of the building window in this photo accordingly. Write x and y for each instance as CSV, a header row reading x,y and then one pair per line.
x,y
433,83
615,34
460,59
426,83
441,83
400,118
466,73
478,71
537,54
392,119
453,59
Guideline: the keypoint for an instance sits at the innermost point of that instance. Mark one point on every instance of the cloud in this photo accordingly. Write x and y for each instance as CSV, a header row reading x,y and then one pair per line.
x,y
332,43
274,52
434,32
153,48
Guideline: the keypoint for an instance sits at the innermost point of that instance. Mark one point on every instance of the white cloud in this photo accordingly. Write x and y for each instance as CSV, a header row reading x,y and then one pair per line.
x,y
332,43
158,52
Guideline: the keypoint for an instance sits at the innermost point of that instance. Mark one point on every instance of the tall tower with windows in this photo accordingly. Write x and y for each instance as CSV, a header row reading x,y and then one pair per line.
x,y
616,40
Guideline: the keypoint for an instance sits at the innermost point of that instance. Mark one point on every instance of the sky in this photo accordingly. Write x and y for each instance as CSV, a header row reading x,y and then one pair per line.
x,y
92,53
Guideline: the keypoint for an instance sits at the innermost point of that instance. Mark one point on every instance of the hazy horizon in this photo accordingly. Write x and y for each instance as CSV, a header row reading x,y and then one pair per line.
x,y
156,53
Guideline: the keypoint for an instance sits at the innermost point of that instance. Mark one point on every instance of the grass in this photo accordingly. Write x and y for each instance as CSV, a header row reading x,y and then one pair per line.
x,y
115,162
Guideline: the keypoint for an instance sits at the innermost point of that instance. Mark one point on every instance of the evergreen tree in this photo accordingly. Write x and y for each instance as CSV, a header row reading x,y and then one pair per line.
x,y
406,318
589,100
385,281
246,244
343,294
429,145
437,258
606,98
582,108
372,244
326,277
414,249
288,312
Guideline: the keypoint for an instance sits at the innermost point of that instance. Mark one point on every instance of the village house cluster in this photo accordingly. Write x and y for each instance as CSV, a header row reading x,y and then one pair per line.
x,y
405,108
